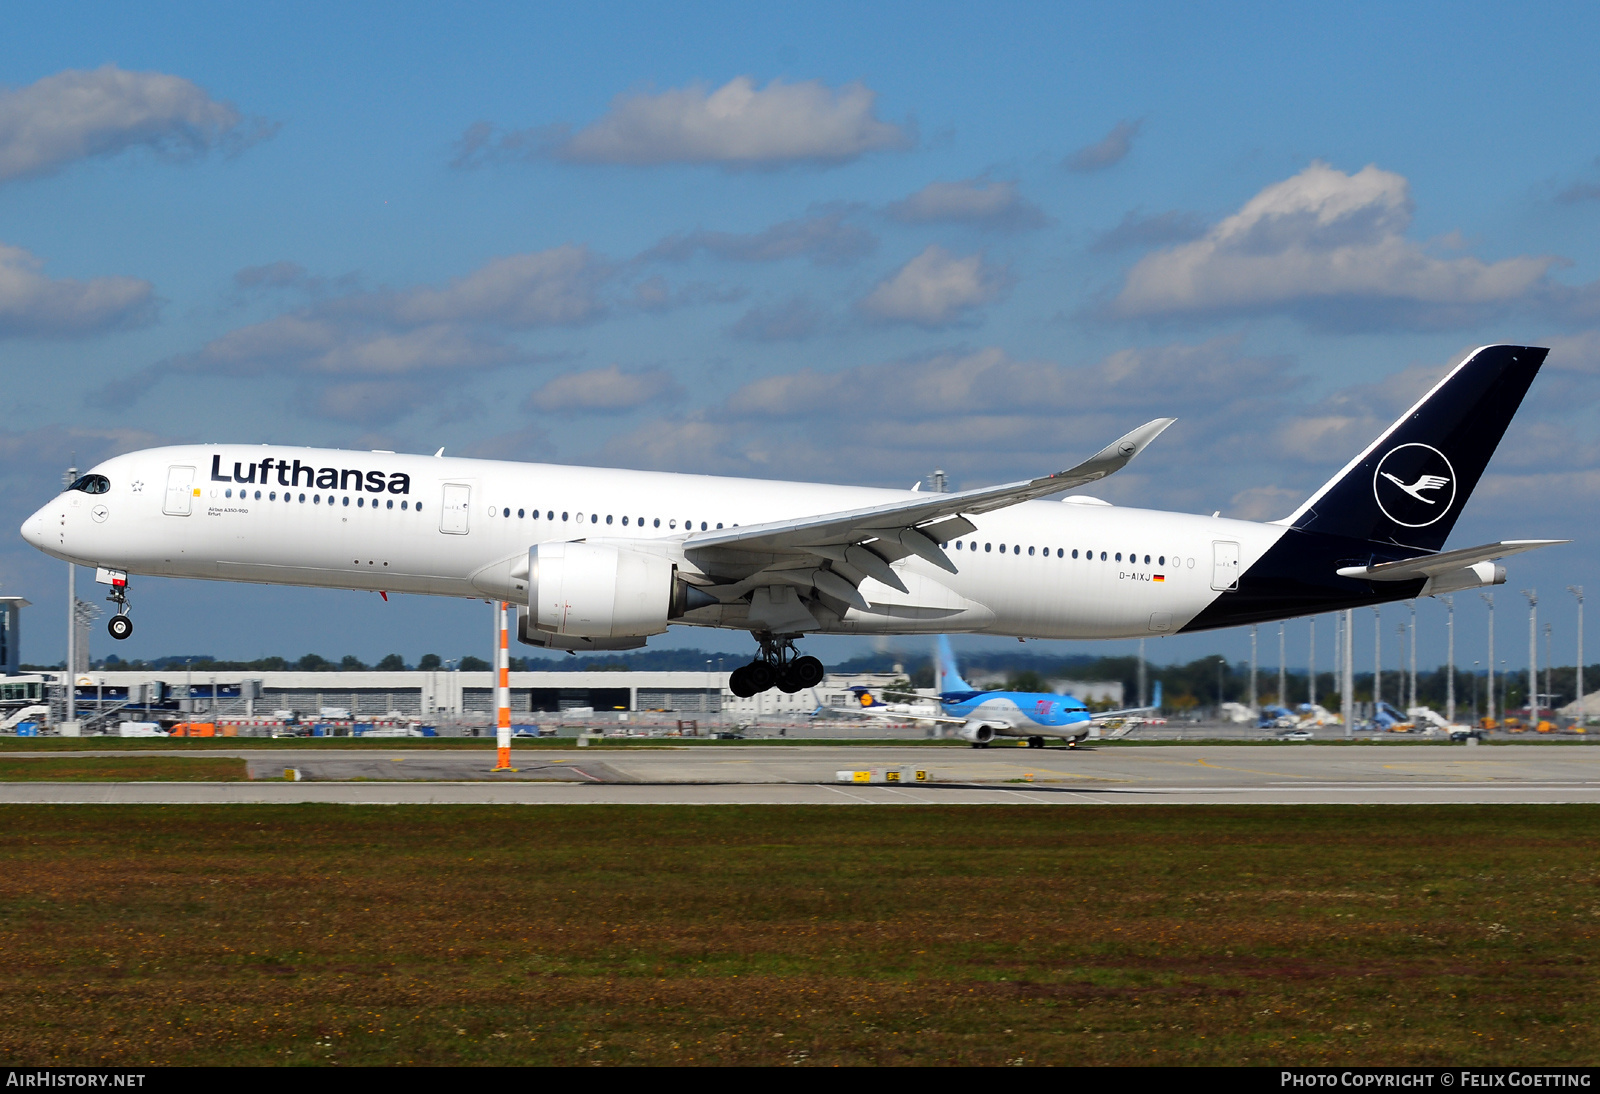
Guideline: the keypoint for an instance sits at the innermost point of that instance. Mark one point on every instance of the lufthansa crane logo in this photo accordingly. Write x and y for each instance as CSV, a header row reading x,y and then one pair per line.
x,y
1415,485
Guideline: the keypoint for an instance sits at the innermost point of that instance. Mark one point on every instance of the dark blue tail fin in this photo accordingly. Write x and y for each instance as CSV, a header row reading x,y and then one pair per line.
x,y
1411,483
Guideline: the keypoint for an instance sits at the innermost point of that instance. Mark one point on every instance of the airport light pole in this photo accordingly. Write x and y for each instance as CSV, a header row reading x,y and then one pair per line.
x,y
1450,658
1311,666
1583,711
1283,689
1488,709
1253,670
1400,656
1347,673
1377,660
1412,604
1221,663
1533,657
1475,694
1549,689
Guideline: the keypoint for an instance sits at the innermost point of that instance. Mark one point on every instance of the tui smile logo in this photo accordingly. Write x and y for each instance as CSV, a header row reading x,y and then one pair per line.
x,y
1414,485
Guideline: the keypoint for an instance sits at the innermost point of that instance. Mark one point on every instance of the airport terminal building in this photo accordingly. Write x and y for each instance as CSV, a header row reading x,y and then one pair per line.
x,y
446,694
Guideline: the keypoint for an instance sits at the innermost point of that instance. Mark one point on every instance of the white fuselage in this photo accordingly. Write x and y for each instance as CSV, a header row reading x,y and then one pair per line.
x,y
1067,570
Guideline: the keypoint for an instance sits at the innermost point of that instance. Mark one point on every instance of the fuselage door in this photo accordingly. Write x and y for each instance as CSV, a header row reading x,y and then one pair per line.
x,y
1224,566
180,491
453,513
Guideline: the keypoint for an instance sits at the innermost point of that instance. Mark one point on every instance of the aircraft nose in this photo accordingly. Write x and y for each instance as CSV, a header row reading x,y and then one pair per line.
x,y
36,528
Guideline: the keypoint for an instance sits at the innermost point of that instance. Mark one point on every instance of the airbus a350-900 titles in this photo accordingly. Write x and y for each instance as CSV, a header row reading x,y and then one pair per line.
x,y
601,559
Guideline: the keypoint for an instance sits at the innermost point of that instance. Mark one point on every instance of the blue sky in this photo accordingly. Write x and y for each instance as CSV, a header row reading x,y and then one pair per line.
x,y
810,241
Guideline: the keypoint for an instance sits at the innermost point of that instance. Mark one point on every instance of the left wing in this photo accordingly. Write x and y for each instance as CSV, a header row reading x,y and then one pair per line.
x,y
833,553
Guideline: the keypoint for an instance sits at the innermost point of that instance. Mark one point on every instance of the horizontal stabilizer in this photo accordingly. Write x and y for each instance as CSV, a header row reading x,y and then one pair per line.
x,y
1426,566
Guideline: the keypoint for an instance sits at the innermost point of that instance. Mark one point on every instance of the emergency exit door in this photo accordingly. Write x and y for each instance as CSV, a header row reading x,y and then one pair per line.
x,y
453,512
1224,566
180,491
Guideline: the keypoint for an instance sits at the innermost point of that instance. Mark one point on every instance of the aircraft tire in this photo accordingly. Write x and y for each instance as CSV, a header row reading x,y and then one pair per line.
x,y
808,671
759,676
739,683
120,626
788,680
1035,742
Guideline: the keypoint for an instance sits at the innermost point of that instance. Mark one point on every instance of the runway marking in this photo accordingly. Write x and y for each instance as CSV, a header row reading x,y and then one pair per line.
x,y
842,793
903,792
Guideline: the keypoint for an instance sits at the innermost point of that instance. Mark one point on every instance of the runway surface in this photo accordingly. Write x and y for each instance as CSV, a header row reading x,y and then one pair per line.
x,y
788,774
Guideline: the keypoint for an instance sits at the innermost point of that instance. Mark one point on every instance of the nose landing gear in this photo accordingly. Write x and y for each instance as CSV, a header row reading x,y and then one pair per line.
x,y
119,625
778,665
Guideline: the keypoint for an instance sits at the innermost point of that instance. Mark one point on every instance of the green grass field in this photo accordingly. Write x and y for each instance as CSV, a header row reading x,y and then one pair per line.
x,y
133,768
799,935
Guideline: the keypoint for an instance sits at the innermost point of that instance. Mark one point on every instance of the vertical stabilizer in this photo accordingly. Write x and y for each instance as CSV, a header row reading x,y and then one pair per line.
x,y
947,677
1409,486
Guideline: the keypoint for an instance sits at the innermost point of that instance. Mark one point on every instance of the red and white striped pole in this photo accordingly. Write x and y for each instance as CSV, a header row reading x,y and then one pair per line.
x,y
502,695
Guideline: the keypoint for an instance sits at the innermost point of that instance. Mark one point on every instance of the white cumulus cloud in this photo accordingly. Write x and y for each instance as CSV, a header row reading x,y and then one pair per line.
x,y
345,349
1331,247
1112,148
33,304
982,202
535,289
934,289
736,125
78,114
826,238
604,390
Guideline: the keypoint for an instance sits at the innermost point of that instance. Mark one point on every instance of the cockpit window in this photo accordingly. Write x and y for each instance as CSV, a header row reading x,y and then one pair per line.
x,y
92,484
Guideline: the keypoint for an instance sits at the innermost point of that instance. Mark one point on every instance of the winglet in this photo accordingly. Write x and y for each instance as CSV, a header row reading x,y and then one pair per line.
x,y
1120,452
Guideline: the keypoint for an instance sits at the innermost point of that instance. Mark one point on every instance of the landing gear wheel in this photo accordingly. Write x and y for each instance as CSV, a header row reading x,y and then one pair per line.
x,y
777,665
120,627
739,682
788,681
808,671
758,676
1035,742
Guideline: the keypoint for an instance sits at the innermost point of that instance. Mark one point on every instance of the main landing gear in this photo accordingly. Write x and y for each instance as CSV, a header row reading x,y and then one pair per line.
x,y
778,665
119,625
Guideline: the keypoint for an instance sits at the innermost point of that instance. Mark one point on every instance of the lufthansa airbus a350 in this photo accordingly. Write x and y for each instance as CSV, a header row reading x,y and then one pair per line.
x,y
600,559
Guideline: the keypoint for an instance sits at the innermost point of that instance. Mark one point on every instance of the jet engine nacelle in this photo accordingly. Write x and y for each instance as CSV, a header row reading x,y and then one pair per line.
x,y
979,733
594,590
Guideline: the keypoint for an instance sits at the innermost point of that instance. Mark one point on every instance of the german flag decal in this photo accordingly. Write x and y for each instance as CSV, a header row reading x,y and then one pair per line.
x,y
1159,577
